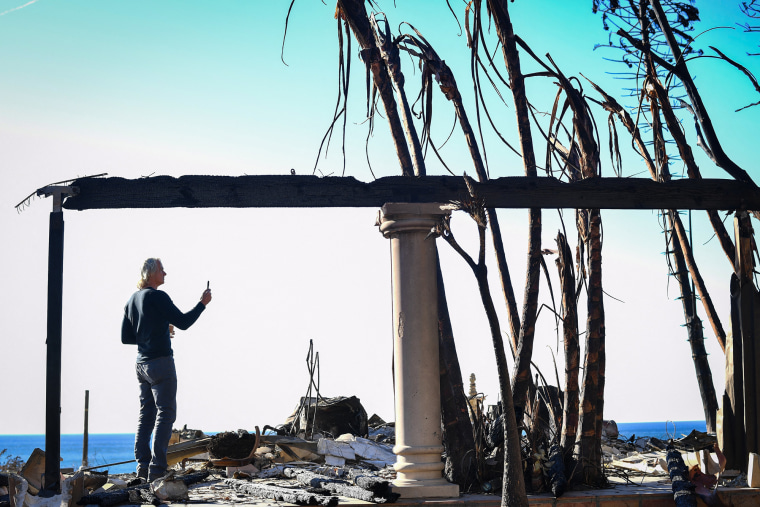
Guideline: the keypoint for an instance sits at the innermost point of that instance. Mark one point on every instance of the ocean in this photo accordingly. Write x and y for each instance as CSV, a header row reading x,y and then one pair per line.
x,y
113,448
103,449
662,430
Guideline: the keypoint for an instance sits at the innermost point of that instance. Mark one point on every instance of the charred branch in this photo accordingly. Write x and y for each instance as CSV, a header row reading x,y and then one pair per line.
x,y
356,15
682,72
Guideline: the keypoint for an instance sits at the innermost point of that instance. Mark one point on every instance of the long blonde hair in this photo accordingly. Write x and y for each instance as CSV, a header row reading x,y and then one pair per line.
x,y
149,267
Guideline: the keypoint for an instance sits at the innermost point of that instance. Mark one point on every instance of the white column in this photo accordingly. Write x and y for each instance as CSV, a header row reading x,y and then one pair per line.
x,y
415,335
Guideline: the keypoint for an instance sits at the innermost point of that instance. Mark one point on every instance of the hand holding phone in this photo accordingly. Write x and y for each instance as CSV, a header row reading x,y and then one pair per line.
x,y
206,297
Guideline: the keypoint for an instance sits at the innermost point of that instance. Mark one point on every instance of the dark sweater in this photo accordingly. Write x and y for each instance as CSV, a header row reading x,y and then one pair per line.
x,y
147,316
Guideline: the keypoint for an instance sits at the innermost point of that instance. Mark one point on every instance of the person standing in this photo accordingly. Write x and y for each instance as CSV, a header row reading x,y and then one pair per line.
x,y
149,320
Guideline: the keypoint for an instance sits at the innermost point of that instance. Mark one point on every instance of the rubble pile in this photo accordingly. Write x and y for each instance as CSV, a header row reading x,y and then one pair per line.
x,y
647,455
300,462
636,459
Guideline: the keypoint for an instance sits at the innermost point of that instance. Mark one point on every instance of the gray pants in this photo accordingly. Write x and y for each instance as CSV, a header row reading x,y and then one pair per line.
x,y
158,410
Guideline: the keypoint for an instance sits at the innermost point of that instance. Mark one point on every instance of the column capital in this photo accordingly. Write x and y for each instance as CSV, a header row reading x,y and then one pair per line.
x,y
397,217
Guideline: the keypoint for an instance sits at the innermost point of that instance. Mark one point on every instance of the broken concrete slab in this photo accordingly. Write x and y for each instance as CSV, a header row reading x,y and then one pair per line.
x,y
335,448
378,454
34,470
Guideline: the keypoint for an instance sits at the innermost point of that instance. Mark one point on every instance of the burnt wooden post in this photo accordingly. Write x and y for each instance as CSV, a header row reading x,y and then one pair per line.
x,y
52,483
416,369
731,434
740,434
86,434
750,351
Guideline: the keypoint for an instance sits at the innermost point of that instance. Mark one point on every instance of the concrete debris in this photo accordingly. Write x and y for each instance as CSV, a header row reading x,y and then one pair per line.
x,y
163,489
169,488
378,454
15,489
34,470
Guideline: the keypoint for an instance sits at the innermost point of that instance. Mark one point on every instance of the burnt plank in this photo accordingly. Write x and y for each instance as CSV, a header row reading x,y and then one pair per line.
x,y
293,191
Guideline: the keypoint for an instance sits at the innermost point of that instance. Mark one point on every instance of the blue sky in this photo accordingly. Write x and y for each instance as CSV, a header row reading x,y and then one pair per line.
x,y
139,88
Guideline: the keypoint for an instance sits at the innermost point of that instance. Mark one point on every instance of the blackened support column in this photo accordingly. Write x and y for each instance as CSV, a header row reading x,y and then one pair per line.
x,y
52,482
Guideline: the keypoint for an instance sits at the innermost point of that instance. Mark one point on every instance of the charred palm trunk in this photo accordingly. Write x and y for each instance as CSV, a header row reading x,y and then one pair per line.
x,y
513,482
522,375
572,348
596,324
694,329
682,255
458,440
588,444
680,249
688,255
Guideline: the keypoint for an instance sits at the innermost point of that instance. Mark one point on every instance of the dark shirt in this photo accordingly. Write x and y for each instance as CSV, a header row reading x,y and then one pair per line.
x,y
147,316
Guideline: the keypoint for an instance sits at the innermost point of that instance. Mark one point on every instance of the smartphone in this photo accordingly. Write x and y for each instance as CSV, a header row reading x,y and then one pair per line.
x,y
207,284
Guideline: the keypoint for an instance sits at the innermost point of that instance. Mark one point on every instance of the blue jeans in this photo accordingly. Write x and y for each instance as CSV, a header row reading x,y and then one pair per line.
x,y
158,410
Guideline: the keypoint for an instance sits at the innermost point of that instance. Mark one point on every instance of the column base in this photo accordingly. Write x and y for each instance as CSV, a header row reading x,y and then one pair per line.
x,y
427,488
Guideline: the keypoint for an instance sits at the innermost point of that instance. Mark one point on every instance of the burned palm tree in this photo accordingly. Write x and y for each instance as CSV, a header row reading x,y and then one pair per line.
x,y
380,53
513,482
570,402
589,222
655,39
646,27
522,377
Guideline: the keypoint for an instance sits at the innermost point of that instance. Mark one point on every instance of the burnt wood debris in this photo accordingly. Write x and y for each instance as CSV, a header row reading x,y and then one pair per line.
x,y
540,437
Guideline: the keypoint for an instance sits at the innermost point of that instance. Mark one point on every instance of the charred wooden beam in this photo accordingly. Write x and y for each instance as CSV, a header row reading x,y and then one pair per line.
x,y
337,192
281,494
342,488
